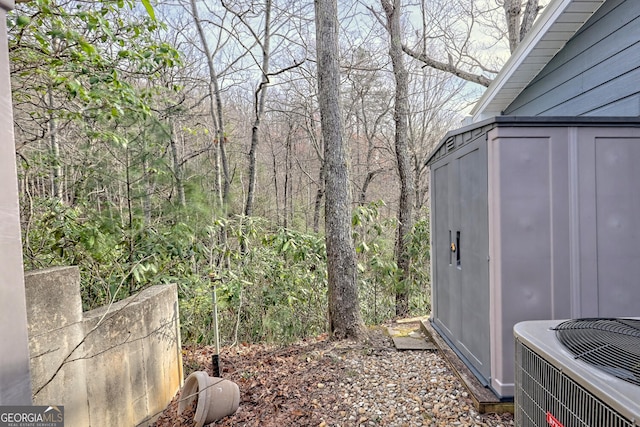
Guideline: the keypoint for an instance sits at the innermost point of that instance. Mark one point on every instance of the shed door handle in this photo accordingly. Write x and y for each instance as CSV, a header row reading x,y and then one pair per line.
x,y
457,249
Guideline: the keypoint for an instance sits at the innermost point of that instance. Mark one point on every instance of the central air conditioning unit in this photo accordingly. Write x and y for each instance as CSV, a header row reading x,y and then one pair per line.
x,y
577,373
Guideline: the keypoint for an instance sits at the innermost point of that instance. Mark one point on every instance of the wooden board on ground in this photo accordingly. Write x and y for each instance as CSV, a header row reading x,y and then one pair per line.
x,y
483,398
411,343
408,335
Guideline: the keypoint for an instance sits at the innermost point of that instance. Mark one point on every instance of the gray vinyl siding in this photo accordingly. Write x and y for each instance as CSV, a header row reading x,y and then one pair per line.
x,y
597,73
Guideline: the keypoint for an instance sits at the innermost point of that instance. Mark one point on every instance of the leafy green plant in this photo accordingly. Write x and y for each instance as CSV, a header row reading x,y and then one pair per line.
x,y
378,271
57,234
373,238
270,283
420,277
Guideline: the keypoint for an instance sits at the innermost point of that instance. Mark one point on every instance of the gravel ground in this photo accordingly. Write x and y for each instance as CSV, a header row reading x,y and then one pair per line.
x,y
406,389
326,383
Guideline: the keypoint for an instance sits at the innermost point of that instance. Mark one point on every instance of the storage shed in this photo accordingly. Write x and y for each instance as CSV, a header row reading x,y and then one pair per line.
x,y
535,204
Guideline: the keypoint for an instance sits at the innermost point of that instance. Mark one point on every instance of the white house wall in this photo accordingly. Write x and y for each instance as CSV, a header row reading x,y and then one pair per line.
x,y
15,384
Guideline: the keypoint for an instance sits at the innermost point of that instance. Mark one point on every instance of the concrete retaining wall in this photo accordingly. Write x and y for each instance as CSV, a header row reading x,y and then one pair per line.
x,y
114,366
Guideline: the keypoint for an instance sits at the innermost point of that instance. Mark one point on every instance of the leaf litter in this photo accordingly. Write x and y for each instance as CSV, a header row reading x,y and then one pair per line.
x,y
307,384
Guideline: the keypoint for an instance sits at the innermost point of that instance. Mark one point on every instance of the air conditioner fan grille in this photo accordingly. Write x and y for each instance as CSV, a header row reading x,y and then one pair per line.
x,y
611,345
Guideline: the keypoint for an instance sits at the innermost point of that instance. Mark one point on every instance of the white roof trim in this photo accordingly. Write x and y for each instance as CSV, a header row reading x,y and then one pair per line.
x,y
557,23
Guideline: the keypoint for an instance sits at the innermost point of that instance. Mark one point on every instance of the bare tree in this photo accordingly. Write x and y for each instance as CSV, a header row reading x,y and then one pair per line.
x,y
344,308
280,135
448,67
519,23
57,175
434,104
461,60
403,157
257,43
215,101
367,105
259,104
316,142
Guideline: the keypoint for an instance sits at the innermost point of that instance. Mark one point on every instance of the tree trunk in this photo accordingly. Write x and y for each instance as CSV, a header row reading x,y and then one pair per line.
x,y
365,186
319,149
56,167
215,108
519,23
512,10
148,190
405,171
288,179
344,307
221,153
260,100
130,225
274,163
318,202
177,167
529,15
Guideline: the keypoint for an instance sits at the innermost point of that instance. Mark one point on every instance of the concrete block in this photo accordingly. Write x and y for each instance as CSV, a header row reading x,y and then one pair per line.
x,y
146,328
162,349
109,389
56,333
118,365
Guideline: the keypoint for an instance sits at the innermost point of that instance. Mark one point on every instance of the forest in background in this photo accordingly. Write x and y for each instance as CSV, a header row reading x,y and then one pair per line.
x,y
180,142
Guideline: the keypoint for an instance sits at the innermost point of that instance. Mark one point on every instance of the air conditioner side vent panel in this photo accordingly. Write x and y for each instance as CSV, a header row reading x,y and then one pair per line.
x,y
547,395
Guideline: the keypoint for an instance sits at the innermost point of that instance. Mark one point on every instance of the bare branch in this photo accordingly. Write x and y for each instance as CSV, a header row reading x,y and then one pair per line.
x,y
449,68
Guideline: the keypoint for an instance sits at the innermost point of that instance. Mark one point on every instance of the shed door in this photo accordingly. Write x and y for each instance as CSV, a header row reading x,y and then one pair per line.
x,y
461,246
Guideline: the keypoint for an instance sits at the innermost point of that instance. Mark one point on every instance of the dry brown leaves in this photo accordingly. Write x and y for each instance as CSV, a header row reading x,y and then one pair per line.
x,y
279,386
